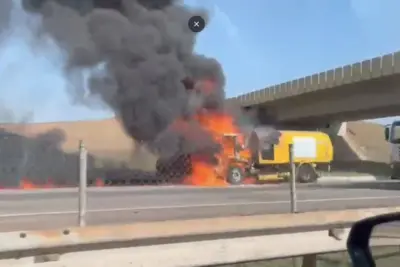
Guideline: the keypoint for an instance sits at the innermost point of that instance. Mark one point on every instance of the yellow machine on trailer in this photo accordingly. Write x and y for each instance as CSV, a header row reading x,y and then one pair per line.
x,y
263,154
313,151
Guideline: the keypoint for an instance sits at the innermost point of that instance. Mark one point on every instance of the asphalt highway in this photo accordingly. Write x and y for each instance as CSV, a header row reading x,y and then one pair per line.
x,y
43,209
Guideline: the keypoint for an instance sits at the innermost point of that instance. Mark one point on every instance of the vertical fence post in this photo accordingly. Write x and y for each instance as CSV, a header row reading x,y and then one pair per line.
x,y
293,195
82,184
309,261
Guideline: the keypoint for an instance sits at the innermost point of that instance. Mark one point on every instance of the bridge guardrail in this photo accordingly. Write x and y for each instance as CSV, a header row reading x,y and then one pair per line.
x,y
190,242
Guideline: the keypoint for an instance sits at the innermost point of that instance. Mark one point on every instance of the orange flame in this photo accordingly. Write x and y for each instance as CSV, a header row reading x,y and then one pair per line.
x,y
206,174
99,182
26,184
217,124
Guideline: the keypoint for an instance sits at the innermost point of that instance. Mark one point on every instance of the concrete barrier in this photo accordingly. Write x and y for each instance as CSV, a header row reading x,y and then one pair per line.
x,y
197,253
186,243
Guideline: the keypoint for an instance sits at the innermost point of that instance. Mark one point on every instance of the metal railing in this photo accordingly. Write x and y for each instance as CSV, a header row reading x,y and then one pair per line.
x,y
201,242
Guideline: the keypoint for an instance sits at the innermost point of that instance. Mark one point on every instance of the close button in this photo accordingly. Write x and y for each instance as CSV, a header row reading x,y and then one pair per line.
x,y
196,24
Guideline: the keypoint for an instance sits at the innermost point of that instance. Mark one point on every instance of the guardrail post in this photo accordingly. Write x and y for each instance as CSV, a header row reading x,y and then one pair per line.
x,y
82,184
293,195
309,260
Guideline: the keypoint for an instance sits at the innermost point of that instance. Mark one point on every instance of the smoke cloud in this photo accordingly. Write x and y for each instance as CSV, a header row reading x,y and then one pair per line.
x,y
5,7
142,50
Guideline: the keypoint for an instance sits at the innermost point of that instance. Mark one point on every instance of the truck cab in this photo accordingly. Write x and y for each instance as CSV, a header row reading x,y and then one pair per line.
x,y
392,135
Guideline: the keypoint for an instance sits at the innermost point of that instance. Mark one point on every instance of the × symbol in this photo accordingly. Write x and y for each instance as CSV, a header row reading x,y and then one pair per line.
x,y
196,24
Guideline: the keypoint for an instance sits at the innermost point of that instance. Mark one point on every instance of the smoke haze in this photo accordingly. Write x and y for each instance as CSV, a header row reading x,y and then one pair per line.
x,y
142,51
33,80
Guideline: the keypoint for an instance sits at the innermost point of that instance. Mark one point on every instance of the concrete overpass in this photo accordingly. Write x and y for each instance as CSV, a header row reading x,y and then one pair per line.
x,y
362,90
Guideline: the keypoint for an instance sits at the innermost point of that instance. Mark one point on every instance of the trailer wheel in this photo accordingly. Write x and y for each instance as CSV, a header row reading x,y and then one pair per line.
x,y
306,173
235,175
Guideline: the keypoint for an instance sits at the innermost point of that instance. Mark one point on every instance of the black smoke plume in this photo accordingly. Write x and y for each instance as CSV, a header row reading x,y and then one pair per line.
x,y
145,50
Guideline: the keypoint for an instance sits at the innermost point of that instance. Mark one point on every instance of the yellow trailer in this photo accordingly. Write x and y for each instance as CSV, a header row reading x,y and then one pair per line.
x,y
312,151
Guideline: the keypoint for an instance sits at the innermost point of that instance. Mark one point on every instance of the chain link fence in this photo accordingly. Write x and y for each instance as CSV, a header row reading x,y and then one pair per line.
x,y
27,163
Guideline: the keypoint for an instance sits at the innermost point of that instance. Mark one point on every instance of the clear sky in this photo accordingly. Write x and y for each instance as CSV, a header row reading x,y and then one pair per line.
x,y
258,44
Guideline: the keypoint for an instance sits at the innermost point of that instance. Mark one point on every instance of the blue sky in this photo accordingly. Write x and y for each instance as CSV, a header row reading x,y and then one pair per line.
x,y
259,44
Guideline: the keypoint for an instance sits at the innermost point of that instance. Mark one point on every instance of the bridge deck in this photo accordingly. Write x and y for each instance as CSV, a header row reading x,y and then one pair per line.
x,y
361,71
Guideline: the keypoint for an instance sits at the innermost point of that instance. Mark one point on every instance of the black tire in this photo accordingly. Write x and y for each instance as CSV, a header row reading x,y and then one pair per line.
x,y
174,169
235,175
305,173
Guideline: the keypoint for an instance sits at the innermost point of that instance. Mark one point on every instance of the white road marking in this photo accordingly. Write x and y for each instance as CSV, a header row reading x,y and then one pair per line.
x,y
228,204
130,188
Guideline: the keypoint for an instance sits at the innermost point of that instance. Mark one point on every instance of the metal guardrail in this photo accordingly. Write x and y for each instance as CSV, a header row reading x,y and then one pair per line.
x,y
83,181
188,243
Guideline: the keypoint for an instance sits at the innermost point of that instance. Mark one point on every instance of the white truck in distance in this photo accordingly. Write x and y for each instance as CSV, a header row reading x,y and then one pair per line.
x,y
392,135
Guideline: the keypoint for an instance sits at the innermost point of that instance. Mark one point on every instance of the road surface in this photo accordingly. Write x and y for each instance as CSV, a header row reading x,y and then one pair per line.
x,y
58,208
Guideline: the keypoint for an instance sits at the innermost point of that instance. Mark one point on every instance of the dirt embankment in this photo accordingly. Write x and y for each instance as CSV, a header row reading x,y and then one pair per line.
x,y
362,149
370,140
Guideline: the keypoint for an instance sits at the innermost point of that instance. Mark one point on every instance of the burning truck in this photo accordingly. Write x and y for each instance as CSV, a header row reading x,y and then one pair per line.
x,y
224,160
259,154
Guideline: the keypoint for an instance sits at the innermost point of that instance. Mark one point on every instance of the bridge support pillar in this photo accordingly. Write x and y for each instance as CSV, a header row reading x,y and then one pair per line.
x,y
337,132
334,129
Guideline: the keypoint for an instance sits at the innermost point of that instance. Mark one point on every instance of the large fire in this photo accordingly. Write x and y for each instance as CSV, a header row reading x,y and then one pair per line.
x,y
218,124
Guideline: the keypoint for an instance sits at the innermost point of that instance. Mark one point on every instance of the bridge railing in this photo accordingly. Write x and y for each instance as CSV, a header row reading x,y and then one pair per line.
x,y
201,242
